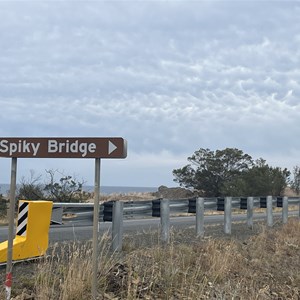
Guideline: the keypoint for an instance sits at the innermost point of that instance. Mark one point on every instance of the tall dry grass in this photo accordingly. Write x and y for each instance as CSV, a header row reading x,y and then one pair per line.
x,y
264,266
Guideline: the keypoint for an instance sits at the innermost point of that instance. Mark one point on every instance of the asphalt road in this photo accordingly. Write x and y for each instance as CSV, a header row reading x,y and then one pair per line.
x,y
84,231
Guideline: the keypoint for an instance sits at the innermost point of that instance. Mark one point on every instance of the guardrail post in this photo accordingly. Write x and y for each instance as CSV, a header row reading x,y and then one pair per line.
x,y
227,215
165,220
220,204
200,217
156,207
250,204
285,209
263,202
269,211
117,226
108,211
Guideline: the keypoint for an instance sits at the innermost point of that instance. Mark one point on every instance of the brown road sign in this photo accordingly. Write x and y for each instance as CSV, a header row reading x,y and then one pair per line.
x,y
70,147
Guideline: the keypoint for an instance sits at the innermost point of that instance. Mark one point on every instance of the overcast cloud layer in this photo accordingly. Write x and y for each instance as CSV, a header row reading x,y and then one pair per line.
x,y
169,76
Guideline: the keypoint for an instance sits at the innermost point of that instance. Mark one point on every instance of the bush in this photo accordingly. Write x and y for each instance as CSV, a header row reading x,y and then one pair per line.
x,y
3,206
67,189
31,189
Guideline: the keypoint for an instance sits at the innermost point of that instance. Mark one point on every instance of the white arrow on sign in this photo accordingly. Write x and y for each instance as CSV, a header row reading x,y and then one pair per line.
x,y
111,147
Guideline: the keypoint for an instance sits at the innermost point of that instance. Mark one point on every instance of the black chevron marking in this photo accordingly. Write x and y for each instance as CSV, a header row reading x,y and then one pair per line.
x,y
24,217
22,230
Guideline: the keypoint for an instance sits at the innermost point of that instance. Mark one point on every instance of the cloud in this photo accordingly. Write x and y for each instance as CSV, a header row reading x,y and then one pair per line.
x,y
170,77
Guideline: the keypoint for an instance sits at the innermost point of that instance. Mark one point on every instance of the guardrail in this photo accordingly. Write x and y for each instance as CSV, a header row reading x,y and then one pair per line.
x,y
116,211
151,208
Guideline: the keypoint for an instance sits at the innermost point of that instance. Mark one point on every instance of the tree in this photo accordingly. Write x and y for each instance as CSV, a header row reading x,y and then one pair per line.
x,y
31,189
295,183
230,172
67,189
263,179
214,173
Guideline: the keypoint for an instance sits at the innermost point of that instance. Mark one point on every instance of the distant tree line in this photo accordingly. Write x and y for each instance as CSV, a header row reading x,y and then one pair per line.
x,y
231,172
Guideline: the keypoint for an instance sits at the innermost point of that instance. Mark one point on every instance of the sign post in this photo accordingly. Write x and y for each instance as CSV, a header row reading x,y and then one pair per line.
x,y
60,147
12,195
96,227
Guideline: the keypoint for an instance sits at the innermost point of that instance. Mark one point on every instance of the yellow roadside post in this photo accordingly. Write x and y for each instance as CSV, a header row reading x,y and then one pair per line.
x,y
32,234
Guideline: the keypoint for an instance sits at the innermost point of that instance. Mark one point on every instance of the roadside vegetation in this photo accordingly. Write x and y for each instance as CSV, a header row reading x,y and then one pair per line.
x,y
262,265
58,187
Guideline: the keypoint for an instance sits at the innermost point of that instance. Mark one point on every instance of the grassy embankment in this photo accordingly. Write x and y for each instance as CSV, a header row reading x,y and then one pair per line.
x,y
261,266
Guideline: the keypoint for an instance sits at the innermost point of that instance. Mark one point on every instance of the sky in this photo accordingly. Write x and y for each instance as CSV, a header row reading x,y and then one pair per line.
x,y
170,77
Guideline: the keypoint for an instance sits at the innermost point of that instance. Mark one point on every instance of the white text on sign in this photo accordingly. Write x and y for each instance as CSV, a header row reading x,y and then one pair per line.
x,y
21,147
67,147
54,146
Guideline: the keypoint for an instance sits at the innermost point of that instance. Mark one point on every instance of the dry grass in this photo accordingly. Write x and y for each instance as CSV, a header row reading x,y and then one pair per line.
x,y
263,266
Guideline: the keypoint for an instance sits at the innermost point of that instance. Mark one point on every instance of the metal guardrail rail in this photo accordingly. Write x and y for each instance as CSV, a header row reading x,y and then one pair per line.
x,y
134,209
